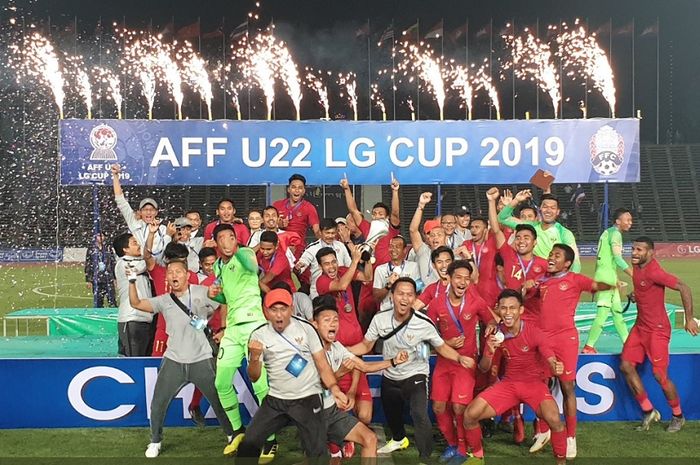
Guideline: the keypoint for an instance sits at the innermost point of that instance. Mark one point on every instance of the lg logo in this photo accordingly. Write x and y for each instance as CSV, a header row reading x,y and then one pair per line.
x,y
688,249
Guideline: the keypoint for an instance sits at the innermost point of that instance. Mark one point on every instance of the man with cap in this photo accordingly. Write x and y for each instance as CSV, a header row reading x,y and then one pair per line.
x,y
148,209
183,235
464,217
404,329
293,356
435,237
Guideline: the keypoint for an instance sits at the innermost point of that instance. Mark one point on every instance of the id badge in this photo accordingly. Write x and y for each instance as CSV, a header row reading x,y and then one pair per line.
x,y
423,351
296,365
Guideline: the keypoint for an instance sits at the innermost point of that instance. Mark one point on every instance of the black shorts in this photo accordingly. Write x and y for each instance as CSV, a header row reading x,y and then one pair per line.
x,y
339,424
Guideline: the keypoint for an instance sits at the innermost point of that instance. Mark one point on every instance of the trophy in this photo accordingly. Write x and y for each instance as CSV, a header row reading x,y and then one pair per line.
x,y
377,230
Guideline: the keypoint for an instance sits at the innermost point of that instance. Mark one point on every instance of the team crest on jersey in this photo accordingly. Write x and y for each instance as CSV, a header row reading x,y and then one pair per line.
x,y
409,337
525,348
467,316
538,269
607,148
563,286
299,340
103,139
643,283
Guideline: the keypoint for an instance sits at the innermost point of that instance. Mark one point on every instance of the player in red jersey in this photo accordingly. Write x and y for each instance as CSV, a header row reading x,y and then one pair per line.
x,y
441,258
297,215
335,281
520,264
273,263
651,333
226,211
523,347
559,292
482,249
455,314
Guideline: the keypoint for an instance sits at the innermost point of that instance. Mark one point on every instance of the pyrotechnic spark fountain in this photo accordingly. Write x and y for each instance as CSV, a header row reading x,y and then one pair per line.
x,y
315,82
376,97
170,72
36,58
461,81
348,81
419,59
140,60
109,79
531,59
581,54
75,67
290,75
222,76
194,70
482,80
258,63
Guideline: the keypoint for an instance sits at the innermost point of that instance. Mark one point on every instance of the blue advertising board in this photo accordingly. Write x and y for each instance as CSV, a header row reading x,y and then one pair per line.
x,y
367,152
59,393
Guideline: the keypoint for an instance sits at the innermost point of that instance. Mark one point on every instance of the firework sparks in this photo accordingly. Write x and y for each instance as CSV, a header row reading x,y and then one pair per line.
x,y
581,55
409,104
482,80
170,72
36,58
75,68
314,80
348,85
111,81
378,100
194,70
462,82
140,60
531,59
222,75
420,59
257,61
290,75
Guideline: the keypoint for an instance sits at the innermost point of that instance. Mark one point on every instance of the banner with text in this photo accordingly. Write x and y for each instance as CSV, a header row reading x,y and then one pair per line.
x,y
118,392
367,152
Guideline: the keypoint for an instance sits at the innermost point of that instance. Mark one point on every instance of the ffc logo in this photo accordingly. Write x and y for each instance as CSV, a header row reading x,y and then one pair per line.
x,y
607,149
103,139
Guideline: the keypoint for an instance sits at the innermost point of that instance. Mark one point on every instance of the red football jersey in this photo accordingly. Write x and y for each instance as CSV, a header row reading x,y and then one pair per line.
x,y
278,264
559,296
349,330
432,291
447,316
485,258
241,230
301,216
523,354
650,283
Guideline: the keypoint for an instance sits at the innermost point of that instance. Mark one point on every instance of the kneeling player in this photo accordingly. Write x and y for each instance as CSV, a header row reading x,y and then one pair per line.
x,y
522,349
651,333
341,425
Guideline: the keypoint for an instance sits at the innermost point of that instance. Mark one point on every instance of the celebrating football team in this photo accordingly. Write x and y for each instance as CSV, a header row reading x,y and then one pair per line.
x,y
493,295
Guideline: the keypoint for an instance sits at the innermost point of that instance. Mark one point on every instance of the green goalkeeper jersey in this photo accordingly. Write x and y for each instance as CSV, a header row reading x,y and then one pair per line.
x,y
240,290
546,238
609,256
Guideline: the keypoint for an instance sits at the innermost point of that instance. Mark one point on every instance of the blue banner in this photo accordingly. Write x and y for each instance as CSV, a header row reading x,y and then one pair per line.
x,y
367,152
117,392
30,255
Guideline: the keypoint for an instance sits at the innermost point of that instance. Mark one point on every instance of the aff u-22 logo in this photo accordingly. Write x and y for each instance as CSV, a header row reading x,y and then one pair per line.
x,y
103,139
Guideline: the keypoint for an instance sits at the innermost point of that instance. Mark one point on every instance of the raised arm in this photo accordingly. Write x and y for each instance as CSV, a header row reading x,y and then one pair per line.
x,y
492,196
350,202
506,217
414,227
255,352
134,300
343,282
395,219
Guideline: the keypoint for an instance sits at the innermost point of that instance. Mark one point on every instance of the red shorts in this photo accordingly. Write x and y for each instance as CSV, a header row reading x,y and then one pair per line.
x,y
565,346
362,393
504,395
452,383
642,343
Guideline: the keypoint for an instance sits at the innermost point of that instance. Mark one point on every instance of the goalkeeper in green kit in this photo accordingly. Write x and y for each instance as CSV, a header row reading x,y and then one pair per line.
x,y
609,260
549,230
236,270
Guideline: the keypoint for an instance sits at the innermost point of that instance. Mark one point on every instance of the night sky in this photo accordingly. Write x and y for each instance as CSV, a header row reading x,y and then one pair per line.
x,y
323,34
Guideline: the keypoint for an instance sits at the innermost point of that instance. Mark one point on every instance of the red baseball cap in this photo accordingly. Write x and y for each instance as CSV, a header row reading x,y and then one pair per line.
x,y
430,225
278,296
